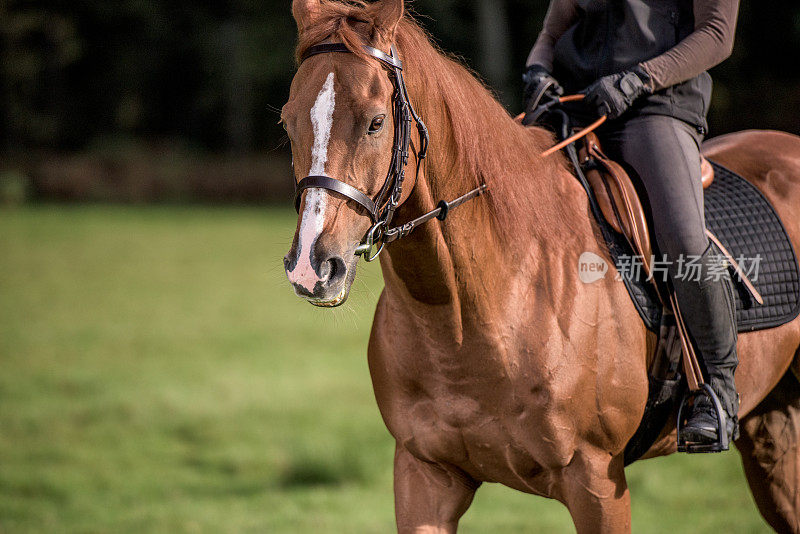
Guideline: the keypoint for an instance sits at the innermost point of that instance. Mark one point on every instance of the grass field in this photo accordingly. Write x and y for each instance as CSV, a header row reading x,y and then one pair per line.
x,y
158,375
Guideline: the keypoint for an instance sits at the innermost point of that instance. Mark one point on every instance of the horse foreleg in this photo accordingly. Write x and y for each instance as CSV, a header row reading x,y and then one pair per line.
x,y
770,449
429,498
594,489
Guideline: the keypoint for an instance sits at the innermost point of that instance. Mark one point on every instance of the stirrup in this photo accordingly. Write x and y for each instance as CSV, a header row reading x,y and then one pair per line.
x,y
723,441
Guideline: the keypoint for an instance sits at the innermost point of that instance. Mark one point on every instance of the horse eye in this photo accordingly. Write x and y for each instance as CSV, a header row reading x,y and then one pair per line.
x,y
377,124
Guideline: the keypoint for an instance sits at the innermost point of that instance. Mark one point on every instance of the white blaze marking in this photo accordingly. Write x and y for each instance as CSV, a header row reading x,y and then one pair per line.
x,y
322,120
316,199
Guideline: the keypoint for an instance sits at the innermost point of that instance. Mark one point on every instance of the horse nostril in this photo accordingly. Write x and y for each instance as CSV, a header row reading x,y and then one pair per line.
x,y
290,261
333,270
325,270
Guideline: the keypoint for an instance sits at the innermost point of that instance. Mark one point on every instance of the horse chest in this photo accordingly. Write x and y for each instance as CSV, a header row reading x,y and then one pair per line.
x,y
470,407
444,428
492,442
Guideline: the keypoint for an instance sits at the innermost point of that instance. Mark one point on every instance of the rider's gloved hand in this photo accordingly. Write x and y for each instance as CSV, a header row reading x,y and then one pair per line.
x,y
612,95
538,80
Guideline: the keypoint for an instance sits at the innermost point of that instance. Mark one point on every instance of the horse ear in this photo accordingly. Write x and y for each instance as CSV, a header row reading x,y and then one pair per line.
x,y
305,12
387,15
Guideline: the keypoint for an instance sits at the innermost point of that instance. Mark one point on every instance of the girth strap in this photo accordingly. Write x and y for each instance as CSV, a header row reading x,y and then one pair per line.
x,y
336,186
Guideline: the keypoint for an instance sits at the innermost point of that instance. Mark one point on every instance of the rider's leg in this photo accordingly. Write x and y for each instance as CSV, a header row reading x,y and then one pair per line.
x,y
664,152
709,306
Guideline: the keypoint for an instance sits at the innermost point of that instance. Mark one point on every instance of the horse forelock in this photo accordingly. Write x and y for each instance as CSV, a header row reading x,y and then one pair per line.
x,y
351,23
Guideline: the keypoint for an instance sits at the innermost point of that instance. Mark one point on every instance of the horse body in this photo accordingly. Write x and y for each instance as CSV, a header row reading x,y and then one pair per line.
x,y
484,357
485,363
493,362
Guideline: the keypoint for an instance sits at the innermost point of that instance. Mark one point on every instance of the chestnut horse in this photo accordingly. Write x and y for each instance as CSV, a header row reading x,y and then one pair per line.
x,y
491,360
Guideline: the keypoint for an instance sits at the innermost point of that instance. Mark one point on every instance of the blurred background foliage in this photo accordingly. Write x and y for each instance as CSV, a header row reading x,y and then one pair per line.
x,y
142,100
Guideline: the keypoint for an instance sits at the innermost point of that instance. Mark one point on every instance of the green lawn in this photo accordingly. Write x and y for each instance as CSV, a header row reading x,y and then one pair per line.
x,y
157,374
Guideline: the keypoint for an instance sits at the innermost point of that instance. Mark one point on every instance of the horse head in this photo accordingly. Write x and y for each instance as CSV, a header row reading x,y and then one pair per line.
x,y
339,118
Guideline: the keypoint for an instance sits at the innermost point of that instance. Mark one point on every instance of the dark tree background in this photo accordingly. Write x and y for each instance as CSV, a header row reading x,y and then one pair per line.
x,y
210,75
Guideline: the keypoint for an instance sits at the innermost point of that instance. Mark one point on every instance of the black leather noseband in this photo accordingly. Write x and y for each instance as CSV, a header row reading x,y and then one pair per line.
x,y
337,186
381,208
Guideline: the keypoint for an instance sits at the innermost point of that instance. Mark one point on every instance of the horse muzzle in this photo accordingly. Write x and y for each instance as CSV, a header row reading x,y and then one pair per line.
x,y
322,282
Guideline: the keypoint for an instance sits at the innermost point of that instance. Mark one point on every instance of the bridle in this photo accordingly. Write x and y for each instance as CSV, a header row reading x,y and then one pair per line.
x,y
382,207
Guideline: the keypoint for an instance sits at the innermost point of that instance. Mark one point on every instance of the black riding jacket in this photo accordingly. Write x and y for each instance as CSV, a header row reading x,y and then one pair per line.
x,y
584,40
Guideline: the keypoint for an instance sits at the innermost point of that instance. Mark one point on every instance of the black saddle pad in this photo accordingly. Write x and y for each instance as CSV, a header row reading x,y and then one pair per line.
x,y
747,225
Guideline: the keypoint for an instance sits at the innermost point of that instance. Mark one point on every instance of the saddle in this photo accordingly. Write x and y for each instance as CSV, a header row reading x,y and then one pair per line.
x,y
740,222
616,198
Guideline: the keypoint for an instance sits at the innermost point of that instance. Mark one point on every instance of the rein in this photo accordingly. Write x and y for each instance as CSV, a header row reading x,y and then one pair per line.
x,y
579,135
567,140
382,207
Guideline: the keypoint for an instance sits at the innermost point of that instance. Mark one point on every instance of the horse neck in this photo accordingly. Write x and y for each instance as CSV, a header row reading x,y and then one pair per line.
x,y
455,262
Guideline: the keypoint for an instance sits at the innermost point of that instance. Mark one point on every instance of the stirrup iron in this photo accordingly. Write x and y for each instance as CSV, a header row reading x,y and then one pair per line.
x,y
723,440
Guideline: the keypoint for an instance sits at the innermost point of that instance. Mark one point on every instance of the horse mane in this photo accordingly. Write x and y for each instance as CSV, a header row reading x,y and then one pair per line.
x,y
485,143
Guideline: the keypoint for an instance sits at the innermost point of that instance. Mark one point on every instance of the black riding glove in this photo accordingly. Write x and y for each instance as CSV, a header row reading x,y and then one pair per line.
x,y
614,94
537,81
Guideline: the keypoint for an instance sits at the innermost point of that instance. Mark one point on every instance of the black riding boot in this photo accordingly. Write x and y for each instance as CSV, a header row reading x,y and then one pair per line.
x,y
708,309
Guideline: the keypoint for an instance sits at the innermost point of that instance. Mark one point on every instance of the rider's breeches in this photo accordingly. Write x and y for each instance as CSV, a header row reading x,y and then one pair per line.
x,y
664,153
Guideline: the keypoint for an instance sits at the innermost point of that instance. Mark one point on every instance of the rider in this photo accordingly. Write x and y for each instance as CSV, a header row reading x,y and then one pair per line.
x,y
643,64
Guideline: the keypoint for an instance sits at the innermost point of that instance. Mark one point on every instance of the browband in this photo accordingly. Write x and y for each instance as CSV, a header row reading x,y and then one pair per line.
x,y
326,48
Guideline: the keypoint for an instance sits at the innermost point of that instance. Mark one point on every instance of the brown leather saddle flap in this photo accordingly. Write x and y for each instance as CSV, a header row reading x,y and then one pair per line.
x,y
617,196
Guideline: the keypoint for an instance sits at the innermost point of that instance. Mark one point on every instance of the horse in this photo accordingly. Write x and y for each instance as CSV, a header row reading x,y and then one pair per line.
x,y
490,360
